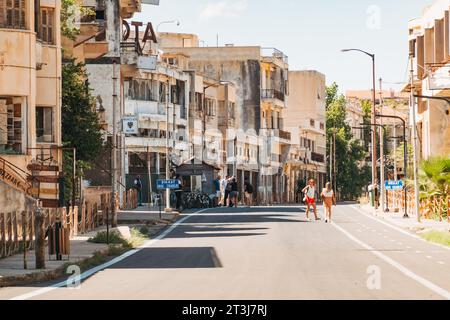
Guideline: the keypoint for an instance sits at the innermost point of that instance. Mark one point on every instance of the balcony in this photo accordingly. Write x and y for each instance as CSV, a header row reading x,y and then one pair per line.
x,y
317,157
272,94
273,53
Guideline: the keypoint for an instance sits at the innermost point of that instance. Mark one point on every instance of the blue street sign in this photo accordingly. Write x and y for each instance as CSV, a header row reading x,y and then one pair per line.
x,y
167,184
394,185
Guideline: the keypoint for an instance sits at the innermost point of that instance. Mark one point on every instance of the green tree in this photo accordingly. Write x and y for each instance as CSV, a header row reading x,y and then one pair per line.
x,y
71,10
351,175
80,125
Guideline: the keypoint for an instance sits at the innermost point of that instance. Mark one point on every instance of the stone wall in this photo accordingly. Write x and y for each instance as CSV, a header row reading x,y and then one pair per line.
x,y
14,200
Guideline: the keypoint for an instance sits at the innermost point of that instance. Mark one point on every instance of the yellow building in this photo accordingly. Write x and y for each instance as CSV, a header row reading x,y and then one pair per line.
x,y
305,120
430,47
30,95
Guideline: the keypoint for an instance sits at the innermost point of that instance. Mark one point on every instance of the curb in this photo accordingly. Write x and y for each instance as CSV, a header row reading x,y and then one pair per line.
x,y
51,275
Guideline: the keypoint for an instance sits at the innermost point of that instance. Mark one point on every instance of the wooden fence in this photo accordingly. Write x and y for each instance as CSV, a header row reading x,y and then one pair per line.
x,y
17,229
433,207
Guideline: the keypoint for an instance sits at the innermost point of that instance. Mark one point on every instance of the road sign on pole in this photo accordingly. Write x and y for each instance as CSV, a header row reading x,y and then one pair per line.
x,y
394,185
167,184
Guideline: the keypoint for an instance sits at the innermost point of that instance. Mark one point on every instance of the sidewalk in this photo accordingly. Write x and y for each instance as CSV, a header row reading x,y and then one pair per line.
x,y
11,268
411,224
12,271
145,214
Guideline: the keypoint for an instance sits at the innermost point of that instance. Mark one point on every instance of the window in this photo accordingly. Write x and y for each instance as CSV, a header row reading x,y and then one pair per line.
x,y
231,110
322,126
12,14
11,126
44,124
312,123
210,107
46,26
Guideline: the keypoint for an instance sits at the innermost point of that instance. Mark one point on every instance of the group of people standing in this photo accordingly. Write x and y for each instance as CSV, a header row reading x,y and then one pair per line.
x,y
328,198
227,191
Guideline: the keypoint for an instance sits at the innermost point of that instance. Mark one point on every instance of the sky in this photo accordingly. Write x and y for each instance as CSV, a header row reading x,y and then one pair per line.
x,y
311,33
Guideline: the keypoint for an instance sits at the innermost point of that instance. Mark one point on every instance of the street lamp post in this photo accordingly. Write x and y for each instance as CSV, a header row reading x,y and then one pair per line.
x,y
405,156
374,135
167,22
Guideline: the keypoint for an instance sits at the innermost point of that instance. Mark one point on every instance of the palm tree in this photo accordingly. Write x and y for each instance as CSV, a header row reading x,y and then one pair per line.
x,y
434,177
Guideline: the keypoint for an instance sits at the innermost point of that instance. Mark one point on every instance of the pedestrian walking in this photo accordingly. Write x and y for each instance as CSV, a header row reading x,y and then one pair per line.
x,y
223,186
329,200
138,186
310,198
234,193
228,189
179,194
217,187
248,193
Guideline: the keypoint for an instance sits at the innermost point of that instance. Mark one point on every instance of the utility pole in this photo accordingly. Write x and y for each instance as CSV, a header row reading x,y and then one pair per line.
x,y
150,193
113,150
382,173
415,138
168,209
334,162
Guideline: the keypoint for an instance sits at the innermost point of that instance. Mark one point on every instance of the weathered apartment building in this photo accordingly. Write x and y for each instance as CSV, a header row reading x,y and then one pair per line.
x,y
30,102
306,120
258,147
114,57
429,42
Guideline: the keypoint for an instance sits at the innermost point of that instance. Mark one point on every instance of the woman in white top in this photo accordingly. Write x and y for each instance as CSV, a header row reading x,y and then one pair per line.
x,y
310,198
328,200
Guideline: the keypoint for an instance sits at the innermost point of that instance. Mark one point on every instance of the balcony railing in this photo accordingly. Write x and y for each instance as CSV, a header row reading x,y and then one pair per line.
x,y
285,135
274,53
317,157
272,94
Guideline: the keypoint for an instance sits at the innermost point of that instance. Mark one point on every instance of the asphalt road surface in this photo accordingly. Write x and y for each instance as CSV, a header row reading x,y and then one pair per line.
x,y
269,253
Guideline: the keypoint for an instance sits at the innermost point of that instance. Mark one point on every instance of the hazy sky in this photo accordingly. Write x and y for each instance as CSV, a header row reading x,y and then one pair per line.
x,y
311,33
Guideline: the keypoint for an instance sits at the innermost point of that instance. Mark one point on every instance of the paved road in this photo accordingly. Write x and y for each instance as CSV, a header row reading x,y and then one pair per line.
x,y
271,253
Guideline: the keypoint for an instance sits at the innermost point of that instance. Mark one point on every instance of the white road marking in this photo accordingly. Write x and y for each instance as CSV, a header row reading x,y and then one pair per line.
x,y
93,271
441,262
426,283
429,257
397,228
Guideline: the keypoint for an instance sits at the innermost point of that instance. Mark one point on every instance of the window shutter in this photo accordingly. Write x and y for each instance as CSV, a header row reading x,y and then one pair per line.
x,y
2,13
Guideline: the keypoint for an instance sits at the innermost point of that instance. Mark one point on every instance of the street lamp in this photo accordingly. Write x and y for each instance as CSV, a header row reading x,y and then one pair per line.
x,y
168,22
405,156
374,136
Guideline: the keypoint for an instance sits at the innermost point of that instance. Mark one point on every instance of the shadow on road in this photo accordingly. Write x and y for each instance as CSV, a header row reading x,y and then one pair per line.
x,y
199,231
216,217
171,258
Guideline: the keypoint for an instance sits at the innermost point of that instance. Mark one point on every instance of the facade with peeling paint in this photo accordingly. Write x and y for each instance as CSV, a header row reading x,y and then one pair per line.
x,y
260,76
430,45
30,94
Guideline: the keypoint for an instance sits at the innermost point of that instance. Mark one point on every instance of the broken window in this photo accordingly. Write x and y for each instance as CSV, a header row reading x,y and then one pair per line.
x,y
13,14
11,126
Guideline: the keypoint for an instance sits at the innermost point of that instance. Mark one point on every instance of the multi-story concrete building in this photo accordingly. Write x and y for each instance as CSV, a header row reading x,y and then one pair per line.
x,y
430,46
30,97
260,78
305,120
108,45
